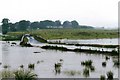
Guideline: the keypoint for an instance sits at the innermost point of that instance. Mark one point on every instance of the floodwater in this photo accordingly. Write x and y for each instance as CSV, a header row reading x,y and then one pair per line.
x,y
112,41
14,56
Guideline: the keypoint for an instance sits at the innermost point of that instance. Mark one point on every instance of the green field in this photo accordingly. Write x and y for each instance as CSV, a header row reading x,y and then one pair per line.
x,y
67,33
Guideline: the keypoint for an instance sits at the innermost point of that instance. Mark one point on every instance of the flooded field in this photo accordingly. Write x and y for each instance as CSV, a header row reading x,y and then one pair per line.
x,y
112,41
71,67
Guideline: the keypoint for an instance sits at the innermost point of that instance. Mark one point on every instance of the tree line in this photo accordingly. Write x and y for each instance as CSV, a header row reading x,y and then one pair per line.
x,y
24,25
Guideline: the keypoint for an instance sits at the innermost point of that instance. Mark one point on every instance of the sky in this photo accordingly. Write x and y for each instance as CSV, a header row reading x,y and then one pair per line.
x,y
97,13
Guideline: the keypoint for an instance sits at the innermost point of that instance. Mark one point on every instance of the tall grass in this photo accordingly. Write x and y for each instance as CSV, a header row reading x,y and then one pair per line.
x,y
18,74
70,33
24,75
7,74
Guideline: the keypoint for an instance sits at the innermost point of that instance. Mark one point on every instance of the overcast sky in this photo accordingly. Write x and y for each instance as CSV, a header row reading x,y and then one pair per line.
x,y
99,13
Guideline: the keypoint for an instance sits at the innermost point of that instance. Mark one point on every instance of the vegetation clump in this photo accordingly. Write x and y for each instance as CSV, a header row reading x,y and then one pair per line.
x,y
24,75
107,58
86,72
97,45
55,48
79,50
110,75
7,74
72,72
116,63
104,64
6,66
14,43
21,66
18,75
102,77
87,63
31,66
58,68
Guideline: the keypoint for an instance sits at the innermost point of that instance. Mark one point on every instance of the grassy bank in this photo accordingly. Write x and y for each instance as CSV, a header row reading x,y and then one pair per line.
x,y
69,33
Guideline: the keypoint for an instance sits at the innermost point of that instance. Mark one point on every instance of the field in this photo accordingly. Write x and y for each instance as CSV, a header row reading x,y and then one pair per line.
x,y
56,59
66,33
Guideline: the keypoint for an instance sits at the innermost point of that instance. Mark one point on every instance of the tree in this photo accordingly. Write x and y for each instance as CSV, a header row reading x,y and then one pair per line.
x,y
23,25
47,23
57,23
75,24
5,25
67,24
12,27
35,25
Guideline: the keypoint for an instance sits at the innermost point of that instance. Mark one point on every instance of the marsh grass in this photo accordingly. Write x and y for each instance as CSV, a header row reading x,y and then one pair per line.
x,y
67,33
79,50
87,63
31,66
55,48
116,63
104,64
6,66
102,77
18,74
72,72
24,75
86,72
7,74
110,75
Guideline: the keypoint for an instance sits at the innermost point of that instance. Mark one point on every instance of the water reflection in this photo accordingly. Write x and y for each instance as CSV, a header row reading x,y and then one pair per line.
x,y
86,72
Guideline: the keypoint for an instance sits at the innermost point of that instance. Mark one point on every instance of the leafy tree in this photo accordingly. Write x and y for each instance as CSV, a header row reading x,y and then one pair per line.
x,y
75,24
5,25
47,23
35,25
67,24
57,23
12,27
23,25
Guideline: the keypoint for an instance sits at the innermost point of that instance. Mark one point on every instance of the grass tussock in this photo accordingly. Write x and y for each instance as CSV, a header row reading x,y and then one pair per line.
x,y
24,75
18,74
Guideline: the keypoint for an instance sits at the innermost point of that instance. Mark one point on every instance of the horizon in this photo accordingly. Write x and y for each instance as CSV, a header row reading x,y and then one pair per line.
x,y
96,13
